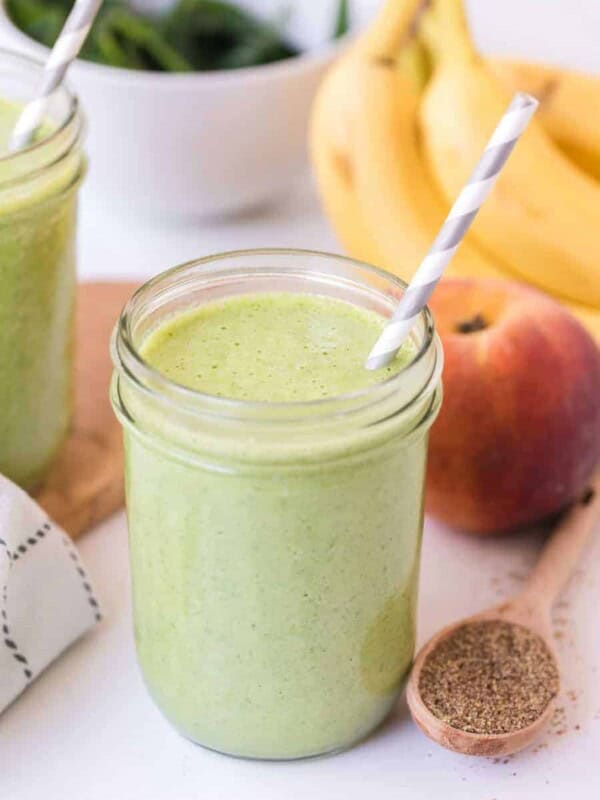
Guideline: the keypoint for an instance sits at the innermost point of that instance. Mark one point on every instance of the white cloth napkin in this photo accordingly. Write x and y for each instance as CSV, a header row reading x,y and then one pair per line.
x,y
46,599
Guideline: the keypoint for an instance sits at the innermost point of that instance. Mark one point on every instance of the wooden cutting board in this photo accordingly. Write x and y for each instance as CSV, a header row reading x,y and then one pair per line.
x,y
86,483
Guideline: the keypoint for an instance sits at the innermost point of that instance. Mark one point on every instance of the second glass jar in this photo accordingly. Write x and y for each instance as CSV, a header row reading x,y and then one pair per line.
x,y
38,209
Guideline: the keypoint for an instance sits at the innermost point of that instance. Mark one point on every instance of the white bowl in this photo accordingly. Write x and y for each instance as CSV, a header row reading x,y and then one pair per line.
x,y
194,144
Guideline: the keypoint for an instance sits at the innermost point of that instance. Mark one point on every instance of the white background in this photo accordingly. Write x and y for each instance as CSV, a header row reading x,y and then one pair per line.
x,y
86,728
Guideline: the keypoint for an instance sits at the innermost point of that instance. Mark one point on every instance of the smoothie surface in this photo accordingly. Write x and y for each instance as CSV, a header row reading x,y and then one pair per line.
x,y
276,347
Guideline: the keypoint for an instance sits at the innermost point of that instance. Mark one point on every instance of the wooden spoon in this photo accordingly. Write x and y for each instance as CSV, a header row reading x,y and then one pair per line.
x,y
531,609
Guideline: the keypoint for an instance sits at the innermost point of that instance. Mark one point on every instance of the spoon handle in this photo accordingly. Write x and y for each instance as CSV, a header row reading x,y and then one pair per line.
x,y
564,547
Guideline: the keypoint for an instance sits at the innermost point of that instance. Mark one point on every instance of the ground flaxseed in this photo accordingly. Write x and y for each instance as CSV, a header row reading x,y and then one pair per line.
x,y
489,677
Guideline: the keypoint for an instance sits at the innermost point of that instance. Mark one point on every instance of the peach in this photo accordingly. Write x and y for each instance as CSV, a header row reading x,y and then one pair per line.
x,y
518,435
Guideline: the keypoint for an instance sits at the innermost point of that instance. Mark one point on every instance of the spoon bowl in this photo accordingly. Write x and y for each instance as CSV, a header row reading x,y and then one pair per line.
x,y
476,744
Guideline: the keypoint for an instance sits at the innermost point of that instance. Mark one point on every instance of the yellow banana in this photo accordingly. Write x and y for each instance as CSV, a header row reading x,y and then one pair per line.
x,y
402,226
333,108
569,106
396,195
393,216
332,169
543,218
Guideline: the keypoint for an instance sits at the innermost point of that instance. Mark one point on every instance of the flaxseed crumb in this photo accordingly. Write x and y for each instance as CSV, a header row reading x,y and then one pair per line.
x,y
489,677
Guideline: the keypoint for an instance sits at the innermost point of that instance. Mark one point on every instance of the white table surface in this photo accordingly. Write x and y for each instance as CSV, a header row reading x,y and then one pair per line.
x,y
87,729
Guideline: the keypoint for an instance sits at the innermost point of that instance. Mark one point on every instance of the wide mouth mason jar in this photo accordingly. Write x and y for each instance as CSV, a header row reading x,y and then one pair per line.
x,y
38,200
274,546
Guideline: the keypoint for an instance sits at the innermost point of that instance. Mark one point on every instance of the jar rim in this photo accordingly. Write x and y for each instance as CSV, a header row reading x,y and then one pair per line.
x,y
21,60
126,356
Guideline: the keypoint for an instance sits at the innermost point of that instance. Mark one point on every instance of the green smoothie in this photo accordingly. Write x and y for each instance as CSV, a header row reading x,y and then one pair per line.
x,y
37,285
274,572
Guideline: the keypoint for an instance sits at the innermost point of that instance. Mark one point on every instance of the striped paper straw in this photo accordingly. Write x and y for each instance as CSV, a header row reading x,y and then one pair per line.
x,y
65,50
462,214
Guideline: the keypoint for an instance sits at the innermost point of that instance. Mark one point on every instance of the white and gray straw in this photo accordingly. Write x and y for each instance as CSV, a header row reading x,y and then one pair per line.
x,y
462,214
65,50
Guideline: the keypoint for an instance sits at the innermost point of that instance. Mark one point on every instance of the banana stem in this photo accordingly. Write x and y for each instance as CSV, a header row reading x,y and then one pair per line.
x,y
445,30
396,21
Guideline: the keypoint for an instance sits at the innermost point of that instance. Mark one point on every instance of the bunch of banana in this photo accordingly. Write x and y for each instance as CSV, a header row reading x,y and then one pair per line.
x,y
399,123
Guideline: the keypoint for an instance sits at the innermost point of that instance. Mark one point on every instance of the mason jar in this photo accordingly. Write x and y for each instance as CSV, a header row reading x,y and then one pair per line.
x,y
274,546
38,200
